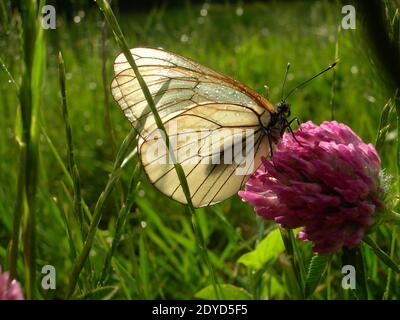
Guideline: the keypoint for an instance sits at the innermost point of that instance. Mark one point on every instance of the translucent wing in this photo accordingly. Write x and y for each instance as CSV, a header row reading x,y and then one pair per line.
x,y
207,115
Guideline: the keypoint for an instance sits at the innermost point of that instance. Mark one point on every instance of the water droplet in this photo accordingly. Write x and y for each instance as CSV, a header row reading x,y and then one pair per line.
x,y
371,99
184,38
92,85
203,12
143,224
77,19
9,80
239,11
10,133
354,69
99,142
391,136
81,14
264,32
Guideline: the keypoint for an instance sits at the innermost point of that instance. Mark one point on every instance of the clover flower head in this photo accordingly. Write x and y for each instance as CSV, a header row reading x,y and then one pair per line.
x,y
9,289
324,179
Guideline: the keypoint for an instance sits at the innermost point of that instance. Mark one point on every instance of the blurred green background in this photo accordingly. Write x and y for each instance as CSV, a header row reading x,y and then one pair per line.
x,y
157,256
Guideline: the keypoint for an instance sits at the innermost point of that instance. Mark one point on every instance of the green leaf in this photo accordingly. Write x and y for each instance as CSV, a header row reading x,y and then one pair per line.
x,y
316,268
355,258
267,250
228,292
103,293
383,256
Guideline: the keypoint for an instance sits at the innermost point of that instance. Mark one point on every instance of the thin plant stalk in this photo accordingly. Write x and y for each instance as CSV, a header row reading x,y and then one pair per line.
x,y
72,167
112,21
333,86
106,100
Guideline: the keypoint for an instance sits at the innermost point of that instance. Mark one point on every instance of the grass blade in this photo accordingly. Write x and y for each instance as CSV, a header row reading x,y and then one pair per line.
x,y
72,167
383,256
98,211
122,216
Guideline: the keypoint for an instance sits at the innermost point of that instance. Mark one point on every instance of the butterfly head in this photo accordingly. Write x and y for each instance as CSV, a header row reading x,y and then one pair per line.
x,y
279,121
283,109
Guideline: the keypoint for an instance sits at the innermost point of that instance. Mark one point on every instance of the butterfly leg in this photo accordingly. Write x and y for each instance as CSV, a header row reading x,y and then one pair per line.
x,y
297,121
291,130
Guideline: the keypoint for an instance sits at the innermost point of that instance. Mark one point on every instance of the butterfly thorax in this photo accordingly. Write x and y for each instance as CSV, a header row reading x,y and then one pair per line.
x,y
279,121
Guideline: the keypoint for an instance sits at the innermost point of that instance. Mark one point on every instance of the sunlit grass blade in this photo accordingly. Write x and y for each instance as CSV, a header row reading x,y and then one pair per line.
x,y
106,85
112,21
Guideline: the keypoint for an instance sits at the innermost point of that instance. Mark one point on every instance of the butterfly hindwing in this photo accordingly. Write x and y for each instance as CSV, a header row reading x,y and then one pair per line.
x,y
216,157
191,97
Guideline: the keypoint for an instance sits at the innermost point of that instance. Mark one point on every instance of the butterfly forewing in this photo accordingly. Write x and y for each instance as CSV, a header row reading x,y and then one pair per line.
x,y
209,118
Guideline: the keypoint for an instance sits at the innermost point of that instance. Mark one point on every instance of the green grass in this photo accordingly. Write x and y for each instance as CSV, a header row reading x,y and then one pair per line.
x,y
157,255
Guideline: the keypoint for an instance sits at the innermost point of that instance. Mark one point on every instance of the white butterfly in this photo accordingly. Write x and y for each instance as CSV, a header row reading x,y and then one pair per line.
x,y
210,118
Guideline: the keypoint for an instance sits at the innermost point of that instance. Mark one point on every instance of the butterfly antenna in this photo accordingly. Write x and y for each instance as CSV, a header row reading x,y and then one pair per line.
x,y
307,81
284,80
